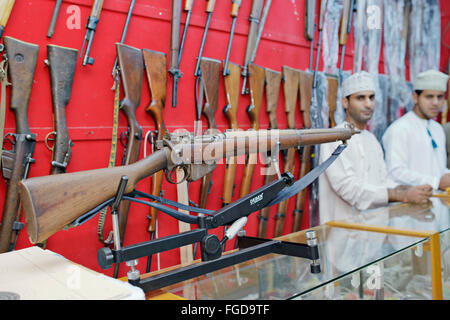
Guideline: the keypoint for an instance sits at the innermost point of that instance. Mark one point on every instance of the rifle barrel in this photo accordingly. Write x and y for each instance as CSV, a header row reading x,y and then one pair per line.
x,y
51,27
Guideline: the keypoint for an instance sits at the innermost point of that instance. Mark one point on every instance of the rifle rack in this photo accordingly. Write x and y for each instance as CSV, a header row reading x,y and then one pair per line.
x,y
210,245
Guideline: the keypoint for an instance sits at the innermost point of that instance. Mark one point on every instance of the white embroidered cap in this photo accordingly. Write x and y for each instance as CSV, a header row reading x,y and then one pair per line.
x,y
357,82
431,80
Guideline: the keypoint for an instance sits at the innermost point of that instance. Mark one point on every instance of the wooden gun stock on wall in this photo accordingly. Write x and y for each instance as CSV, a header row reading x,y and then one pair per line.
x,y
291,88
22,57
273,83
131,71
231,81
256,86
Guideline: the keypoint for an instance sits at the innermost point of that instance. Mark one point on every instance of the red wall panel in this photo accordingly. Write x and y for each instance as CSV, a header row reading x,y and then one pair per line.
x,y
90,110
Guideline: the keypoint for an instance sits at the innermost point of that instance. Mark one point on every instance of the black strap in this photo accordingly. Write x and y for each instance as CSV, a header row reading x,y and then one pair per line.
x,y
309,178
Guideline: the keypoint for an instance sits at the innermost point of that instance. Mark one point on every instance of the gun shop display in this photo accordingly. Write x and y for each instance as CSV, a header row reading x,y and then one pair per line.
x,y
243,133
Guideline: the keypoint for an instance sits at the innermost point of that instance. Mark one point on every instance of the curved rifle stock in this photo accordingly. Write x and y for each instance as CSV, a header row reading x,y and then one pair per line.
x,y
305,87
76,193
232,81
155,64
256,86
22,57
291,84
61,63
273,83
210,77
131,72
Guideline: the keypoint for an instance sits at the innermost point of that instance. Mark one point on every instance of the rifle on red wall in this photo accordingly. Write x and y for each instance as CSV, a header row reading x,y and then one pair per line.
x,y
257,22
22,58
232,81
209,11
256,81
176,47
273,83
131,72
210,77
155,66
91,27
290,88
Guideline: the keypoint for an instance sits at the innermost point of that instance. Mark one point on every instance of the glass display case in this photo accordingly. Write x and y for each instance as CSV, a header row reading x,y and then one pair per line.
x,y
431,221
355,264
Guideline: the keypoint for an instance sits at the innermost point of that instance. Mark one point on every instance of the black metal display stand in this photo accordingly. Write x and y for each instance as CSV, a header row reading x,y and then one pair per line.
x,y
210,245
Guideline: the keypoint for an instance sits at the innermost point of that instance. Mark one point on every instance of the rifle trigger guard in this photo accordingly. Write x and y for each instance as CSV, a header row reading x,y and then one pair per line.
x,y
168,174
46,139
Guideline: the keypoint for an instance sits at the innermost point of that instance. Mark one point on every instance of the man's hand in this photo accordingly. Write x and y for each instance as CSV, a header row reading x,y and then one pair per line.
x,y
444,183
417,194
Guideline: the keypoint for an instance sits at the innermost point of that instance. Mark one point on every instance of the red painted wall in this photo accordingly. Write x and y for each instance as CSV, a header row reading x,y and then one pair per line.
x,y
90,110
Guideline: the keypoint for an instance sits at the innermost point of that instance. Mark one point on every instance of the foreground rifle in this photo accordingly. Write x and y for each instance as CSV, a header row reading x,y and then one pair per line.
x,y
257,77
305,89
75,194
155,66
291,87
210,77
131,71
231,81
91,26
22,58
273,83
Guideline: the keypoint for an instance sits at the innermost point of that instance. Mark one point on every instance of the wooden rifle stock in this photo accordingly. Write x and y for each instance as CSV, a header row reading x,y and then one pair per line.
x,y
22,58
273,83
210,71
155,64
257,76
61,64
332,96
52,202
131,71
305,89
291,87
232,81
6,7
